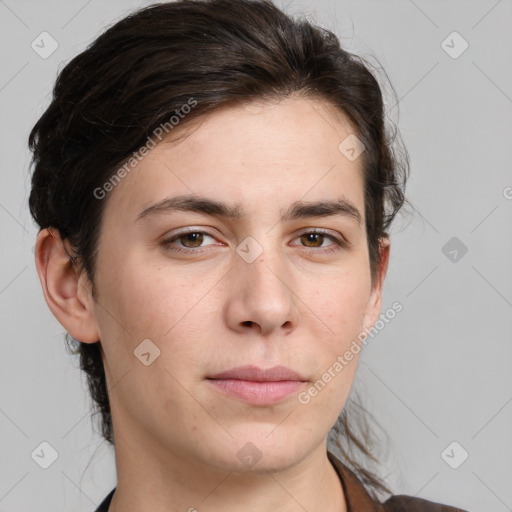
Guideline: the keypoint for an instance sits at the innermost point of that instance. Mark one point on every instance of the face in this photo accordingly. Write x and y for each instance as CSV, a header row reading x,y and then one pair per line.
x,y
185,293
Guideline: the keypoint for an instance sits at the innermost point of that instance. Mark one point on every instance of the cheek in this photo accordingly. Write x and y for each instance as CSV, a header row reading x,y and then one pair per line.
x,y
147,300
172,311
342,304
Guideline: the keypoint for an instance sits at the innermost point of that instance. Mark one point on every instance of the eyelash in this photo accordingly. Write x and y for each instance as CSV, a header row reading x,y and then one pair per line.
x,y
338,245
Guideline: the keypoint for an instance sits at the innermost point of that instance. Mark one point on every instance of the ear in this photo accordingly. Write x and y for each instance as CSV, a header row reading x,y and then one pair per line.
x,y
66,290
375,301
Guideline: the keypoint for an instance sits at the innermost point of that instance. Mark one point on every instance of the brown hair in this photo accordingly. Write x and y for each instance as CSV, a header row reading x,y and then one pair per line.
x,y
143,69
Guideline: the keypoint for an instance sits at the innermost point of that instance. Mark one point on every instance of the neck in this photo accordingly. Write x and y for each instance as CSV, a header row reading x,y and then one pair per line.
x,y
149,478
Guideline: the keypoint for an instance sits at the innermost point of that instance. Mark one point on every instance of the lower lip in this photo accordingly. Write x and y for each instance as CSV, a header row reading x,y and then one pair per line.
x,y
258,393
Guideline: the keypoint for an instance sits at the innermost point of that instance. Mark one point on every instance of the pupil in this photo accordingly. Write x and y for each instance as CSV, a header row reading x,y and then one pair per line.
x,y
194,237
313,237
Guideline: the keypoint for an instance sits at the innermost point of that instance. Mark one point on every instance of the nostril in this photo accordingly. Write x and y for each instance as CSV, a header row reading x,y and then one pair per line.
x,y
248,323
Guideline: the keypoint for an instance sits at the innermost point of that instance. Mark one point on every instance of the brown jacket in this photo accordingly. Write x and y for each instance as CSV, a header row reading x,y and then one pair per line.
x,y
359,500
357,497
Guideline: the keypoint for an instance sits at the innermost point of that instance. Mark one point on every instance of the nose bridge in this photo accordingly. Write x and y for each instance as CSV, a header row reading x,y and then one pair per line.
x,y
267,275
265,288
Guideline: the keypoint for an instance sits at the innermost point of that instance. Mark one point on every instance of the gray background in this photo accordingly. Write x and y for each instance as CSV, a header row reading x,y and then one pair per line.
x,y
439,372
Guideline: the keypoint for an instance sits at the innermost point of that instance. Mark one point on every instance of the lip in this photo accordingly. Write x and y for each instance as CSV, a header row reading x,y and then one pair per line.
x,y
249,372
258,386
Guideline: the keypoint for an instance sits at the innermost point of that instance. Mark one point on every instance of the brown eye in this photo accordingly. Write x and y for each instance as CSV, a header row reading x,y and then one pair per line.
x,y
316,239
191,239
189,242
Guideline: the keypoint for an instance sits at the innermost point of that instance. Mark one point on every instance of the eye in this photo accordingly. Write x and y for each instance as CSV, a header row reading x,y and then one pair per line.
x,y
315,239
187,242
193,241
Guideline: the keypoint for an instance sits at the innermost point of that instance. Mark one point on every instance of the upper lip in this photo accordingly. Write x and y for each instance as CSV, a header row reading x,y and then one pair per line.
x,y
254,373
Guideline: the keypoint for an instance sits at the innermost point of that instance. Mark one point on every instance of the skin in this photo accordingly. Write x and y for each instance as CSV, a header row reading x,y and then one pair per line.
x,y
296,304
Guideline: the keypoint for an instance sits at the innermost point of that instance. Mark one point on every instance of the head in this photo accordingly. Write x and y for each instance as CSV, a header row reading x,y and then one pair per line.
x,y
201,207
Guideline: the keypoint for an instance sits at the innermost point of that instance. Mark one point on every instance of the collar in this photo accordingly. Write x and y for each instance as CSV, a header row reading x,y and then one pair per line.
x,y
356,495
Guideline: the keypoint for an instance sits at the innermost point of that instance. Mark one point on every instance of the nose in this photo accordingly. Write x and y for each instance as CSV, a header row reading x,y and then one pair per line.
x,y
261,297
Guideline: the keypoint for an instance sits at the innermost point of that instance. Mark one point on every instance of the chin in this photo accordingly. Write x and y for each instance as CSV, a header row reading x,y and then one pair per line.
x,y
256,451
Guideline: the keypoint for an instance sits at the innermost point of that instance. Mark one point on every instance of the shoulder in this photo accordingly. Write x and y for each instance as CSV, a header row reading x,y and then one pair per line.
x,y
401,503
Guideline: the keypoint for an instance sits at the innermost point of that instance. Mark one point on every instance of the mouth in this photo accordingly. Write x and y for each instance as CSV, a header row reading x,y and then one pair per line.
x,y
258,386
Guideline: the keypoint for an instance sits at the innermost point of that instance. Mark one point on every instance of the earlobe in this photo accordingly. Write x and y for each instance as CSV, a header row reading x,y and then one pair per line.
x,y
61,284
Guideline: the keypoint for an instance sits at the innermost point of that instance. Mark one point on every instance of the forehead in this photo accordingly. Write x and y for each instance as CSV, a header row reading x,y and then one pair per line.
x,y
261,153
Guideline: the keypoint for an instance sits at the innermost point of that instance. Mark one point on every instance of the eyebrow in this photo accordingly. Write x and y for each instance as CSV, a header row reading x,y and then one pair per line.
x,y
297,210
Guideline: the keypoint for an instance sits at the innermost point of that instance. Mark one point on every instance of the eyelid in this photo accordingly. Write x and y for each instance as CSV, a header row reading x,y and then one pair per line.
x,y
322,231
189,229
179,232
